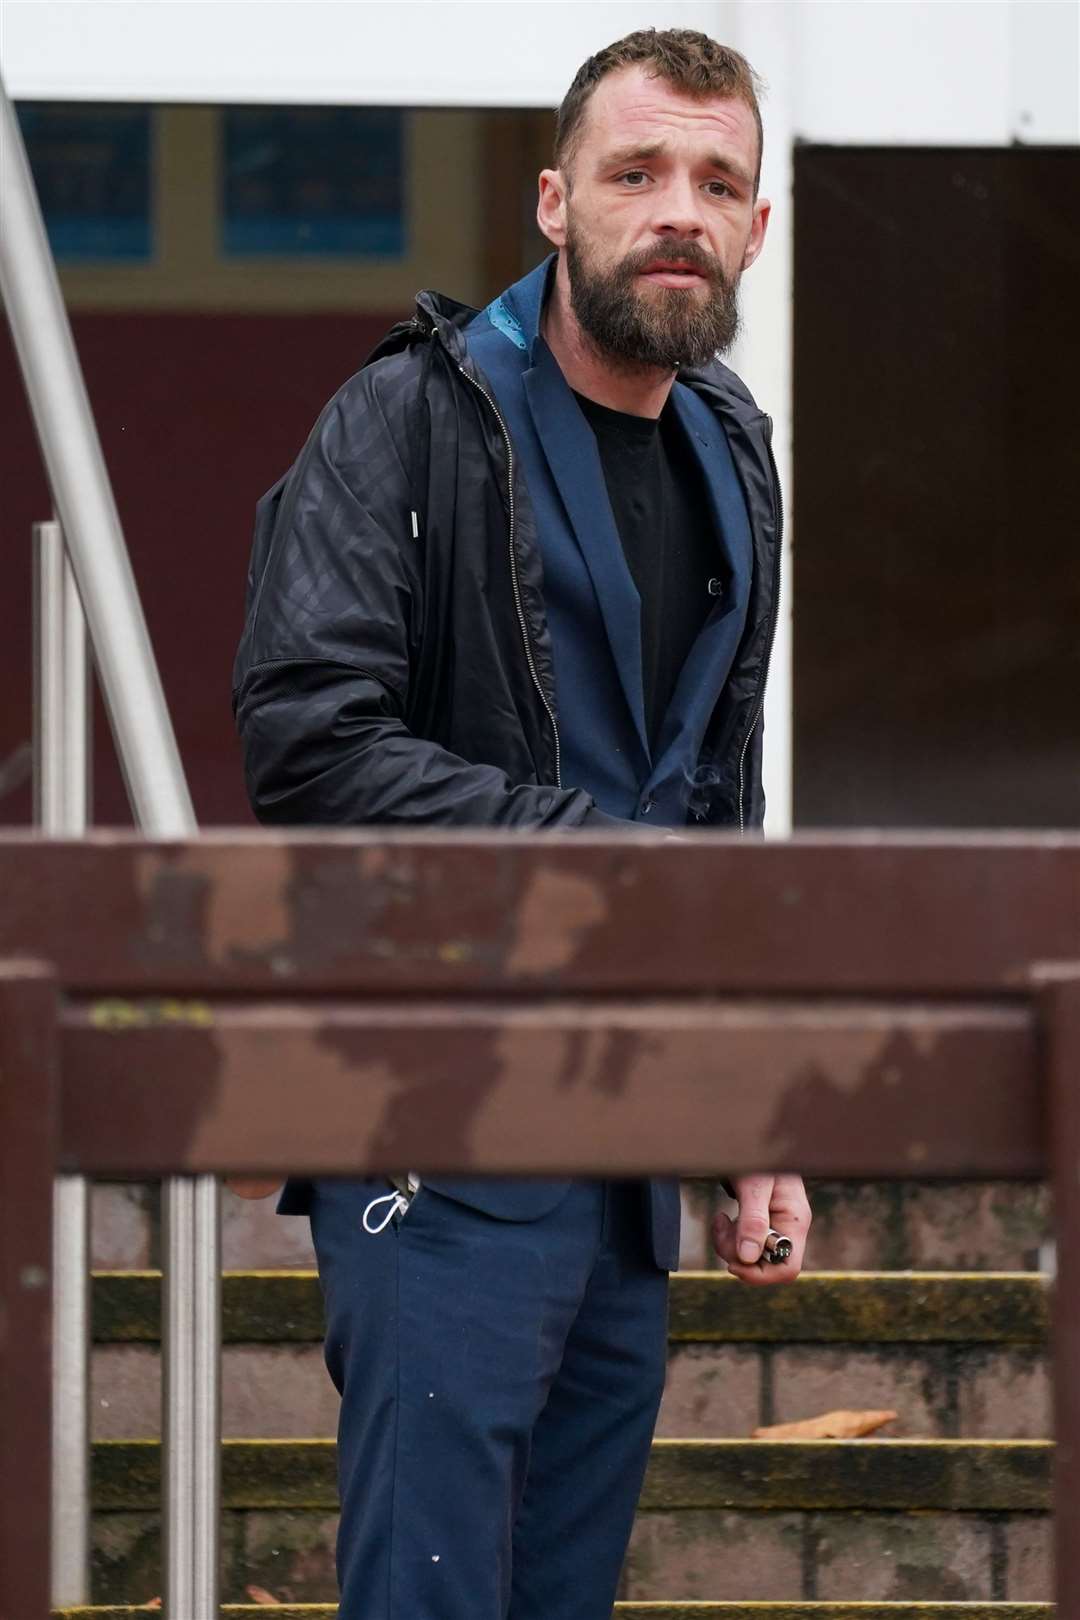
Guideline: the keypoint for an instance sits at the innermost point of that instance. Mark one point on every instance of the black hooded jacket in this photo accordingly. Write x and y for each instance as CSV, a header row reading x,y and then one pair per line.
x,y
395,665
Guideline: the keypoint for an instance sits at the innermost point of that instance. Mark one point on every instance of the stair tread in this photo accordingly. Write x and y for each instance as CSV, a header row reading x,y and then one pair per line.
x,y
874,1307
813,1475
654,1611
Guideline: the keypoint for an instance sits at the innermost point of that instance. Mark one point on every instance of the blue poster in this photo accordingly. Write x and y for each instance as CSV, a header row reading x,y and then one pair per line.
x,y
91,167
314,181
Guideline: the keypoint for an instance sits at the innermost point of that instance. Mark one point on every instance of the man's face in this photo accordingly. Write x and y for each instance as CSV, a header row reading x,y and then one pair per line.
x,y
661,221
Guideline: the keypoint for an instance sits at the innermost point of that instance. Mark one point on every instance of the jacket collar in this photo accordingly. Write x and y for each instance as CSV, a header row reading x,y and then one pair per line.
x,y
525,300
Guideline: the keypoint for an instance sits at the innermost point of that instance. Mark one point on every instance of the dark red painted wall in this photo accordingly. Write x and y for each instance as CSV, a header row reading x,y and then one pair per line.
x,y
198,415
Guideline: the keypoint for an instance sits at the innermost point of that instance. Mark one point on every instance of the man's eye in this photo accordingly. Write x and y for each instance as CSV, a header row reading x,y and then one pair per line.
x,y
632,174
724,189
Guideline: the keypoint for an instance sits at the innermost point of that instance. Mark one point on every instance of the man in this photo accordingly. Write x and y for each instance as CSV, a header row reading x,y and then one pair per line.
x,y
524,575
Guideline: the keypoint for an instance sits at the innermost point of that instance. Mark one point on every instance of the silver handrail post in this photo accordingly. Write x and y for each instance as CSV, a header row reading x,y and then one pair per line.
x,y
84,501
61,760
148,755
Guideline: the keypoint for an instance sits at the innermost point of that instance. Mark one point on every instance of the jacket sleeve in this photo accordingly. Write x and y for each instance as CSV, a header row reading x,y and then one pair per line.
x,y
322,677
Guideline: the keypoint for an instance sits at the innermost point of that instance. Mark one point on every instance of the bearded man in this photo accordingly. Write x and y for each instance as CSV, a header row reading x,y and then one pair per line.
x,y
524,575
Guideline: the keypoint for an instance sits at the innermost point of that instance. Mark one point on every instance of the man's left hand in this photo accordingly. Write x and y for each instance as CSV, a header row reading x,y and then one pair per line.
x,y
764,1201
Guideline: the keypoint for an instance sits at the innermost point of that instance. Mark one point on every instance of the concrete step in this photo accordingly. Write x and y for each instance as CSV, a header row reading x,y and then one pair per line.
x,y
874,1307
956,1355
727,1520
694,1554
945,1522
996,1476
653,1611
957,1346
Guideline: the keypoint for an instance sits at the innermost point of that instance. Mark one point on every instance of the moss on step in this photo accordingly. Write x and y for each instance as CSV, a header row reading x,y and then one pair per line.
x,y
865,1308
285,1307
257,1307
906,1475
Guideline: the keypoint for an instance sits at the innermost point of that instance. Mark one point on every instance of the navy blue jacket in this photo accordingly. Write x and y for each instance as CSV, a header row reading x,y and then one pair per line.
x,y
440,564
594,613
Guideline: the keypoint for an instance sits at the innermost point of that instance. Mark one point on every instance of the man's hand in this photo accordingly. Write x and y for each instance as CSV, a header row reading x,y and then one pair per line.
x,y
251,1186
764,1201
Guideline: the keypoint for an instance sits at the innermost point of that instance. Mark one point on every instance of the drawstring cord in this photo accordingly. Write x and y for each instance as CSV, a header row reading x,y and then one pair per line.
x,y
398,1205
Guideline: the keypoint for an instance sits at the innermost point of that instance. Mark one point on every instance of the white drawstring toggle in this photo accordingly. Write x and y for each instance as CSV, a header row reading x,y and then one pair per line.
x,y
398,1205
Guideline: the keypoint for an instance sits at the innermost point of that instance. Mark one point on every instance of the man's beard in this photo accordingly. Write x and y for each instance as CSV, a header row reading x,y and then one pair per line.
x,y
664,330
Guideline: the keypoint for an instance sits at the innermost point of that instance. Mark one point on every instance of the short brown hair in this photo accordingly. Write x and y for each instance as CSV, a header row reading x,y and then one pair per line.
x,y
691,62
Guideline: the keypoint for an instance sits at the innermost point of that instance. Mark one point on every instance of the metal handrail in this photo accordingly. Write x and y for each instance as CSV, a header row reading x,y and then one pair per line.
x,y
61,794
84,500
150,761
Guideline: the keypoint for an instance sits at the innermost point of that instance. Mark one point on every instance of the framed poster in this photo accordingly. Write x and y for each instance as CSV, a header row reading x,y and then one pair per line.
x,y
314,181
91,166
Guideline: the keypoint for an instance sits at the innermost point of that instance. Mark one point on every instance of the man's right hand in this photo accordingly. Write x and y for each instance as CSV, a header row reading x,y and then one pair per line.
x,y
251,1186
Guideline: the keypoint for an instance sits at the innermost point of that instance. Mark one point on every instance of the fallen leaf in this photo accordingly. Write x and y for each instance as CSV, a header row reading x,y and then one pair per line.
x,y
259,1594
840,1425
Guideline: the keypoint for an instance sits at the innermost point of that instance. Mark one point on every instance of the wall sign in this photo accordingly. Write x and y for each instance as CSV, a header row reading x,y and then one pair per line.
x,y
91,166
313,181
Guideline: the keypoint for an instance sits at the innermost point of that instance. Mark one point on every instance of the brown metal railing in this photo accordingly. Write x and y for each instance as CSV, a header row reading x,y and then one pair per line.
x,y
347,1003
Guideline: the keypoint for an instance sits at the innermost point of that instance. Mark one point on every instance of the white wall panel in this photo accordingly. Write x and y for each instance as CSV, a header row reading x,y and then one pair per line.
x,y
438,53
925,71
1044,71
892,72
936,72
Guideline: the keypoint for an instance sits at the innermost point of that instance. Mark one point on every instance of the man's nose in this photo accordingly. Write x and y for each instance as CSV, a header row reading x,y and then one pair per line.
x,y
678,211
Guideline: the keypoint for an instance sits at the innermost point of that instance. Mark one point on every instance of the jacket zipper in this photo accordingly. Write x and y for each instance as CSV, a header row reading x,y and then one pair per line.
x,y
549,711
772,626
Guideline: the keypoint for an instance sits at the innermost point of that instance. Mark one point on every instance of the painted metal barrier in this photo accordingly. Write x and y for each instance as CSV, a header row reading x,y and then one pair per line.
x,y
349,1003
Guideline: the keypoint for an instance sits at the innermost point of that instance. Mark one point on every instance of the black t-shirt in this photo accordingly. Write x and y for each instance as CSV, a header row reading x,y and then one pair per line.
x,y
665,524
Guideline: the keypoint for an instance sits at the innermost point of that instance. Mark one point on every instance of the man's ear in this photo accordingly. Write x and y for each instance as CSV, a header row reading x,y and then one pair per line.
x,y
551,206
762,210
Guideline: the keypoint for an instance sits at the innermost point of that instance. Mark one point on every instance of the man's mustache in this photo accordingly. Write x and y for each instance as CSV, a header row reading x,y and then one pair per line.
x,y
692,258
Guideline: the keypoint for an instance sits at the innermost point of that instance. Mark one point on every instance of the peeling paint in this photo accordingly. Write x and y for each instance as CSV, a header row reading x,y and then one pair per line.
x,y
204,896
242,917
555,912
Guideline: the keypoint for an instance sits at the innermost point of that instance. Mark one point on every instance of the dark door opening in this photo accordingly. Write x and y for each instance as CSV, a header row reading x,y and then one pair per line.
x,y
937,544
